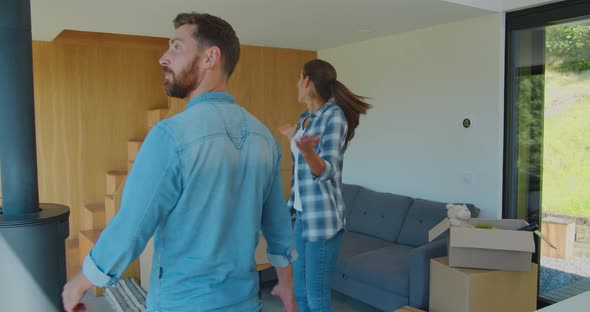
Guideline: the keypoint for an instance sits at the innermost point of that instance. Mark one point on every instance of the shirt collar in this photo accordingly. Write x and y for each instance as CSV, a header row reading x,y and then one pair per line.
x,y
320,110
211,96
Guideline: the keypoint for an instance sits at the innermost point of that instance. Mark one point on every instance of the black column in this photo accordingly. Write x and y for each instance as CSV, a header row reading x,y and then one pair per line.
x,y
18,158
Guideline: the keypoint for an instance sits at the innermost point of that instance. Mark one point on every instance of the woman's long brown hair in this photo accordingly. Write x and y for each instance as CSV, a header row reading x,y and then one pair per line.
x,y
323,76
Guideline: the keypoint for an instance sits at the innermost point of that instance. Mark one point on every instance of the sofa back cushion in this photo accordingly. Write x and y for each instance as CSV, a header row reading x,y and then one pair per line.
x,y
474,210
374,213
423,216
349,193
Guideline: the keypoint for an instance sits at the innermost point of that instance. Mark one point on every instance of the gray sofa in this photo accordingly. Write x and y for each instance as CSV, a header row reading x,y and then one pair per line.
x,y
385,256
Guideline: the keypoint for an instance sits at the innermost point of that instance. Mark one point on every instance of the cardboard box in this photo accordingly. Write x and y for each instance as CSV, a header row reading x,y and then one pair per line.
x,y
502,248
409,309
464,290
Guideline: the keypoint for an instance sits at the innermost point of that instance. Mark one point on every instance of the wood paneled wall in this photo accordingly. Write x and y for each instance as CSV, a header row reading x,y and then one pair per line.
x,y
265,83
92,94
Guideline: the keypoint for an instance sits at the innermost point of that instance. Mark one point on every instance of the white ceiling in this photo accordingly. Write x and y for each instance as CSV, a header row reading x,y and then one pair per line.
x,y
299,24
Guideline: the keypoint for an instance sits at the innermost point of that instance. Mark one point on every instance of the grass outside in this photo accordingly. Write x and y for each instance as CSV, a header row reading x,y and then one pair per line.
x,y
566,159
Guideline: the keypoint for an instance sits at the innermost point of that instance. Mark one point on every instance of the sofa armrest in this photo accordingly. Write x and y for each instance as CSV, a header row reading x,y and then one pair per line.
x,y
420,271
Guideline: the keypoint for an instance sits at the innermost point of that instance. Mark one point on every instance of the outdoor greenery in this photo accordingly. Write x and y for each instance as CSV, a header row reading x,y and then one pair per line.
x,y
566,159
554,123
568,47
566,151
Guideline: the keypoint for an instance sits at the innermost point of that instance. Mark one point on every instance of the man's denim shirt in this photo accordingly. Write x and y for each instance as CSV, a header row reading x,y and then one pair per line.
x,y
205,183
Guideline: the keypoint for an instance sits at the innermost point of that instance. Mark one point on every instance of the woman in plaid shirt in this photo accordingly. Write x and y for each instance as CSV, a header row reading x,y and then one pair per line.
x,y
318,143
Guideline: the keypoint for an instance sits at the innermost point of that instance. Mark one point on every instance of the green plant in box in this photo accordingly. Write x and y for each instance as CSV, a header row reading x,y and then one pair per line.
x,y
484,226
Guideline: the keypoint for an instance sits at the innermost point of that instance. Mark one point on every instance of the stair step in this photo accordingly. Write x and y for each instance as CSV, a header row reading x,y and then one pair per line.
x,y
72,258
87,238
72,271
72,243
175,105
109,207
87,241
114,180
133,148
94,216
155,115
129,165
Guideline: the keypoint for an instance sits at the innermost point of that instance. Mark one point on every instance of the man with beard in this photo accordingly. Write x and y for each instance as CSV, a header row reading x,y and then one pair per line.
x,y
204,183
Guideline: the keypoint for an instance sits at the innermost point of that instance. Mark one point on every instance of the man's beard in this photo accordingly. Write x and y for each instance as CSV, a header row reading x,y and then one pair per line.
x,y
183,83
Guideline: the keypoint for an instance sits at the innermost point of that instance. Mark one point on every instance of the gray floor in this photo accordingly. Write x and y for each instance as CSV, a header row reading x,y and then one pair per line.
x,y
97,304
341,303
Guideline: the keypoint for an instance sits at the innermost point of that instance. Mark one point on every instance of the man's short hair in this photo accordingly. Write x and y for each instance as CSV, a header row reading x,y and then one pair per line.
x,y
213,31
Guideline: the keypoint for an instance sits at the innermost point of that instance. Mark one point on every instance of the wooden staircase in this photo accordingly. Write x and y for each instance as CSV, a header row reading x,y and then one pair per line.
x,y
132,150
96,216
74,264
96,219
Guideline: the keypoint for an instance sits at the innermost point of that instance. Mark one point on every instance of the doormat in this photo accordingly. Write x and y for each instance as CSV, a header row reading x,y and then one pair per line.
x,y
126,296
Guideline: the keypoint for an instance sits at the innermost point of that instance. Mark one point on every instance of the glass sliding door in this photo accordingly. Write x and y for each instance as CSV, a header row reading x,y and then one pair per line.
x,y
547,139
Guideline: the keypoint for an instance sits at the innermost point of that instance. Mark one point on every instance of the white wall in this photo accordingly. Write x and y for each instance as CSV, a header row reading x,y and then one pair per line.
x,y
423,84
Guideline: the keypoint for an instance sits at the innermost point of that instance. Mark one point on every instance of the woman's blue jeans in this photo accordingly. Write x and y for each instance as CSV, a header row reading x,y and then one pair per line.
x,y
313,271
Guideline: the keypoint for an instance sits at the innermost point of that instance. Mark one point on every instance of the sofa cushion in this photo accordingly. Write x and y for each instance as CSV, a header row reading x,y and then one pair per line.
x,y
378,214
422,216
387,268
349,193
356,243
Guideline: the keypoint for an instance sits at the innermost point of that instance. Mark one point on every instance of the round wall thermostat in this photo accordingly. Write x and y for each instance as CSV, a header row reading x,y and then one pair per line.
x,y
466,122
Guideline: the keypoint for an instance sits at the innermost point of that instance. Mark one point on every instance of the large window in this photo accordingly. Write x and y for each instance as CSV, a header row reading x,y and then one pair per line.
x,y
547,139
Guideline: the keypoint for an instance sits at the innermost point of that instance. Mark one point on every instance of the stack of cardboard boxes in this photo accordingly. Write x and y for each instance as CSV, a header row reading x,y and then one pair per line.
x,y
488,268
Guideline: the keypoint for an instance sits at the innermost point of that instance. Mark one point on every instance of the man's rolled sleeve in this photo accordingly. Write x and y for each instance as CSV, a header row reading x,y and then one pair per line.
x,y
280,261
95,275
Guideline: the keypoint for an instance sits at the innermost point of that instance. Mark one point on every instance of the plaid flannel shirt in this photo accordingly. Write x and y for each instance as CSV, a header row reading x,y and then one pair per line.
x,y
321,196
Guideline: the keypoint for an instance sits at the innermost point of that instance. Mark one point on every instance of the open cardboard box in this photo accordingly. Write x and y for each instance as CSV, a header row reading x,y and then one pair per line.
x,y
501,248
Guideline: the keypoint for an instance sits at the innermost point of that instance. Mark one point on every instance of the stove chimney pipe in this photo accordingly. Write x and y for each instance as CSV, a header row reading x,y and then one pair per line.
x,y
18,156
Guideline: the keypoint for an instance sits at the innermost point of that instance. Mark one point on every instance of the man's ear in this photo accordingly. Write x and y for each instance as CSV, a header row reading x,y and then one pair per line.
x,y
212,57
